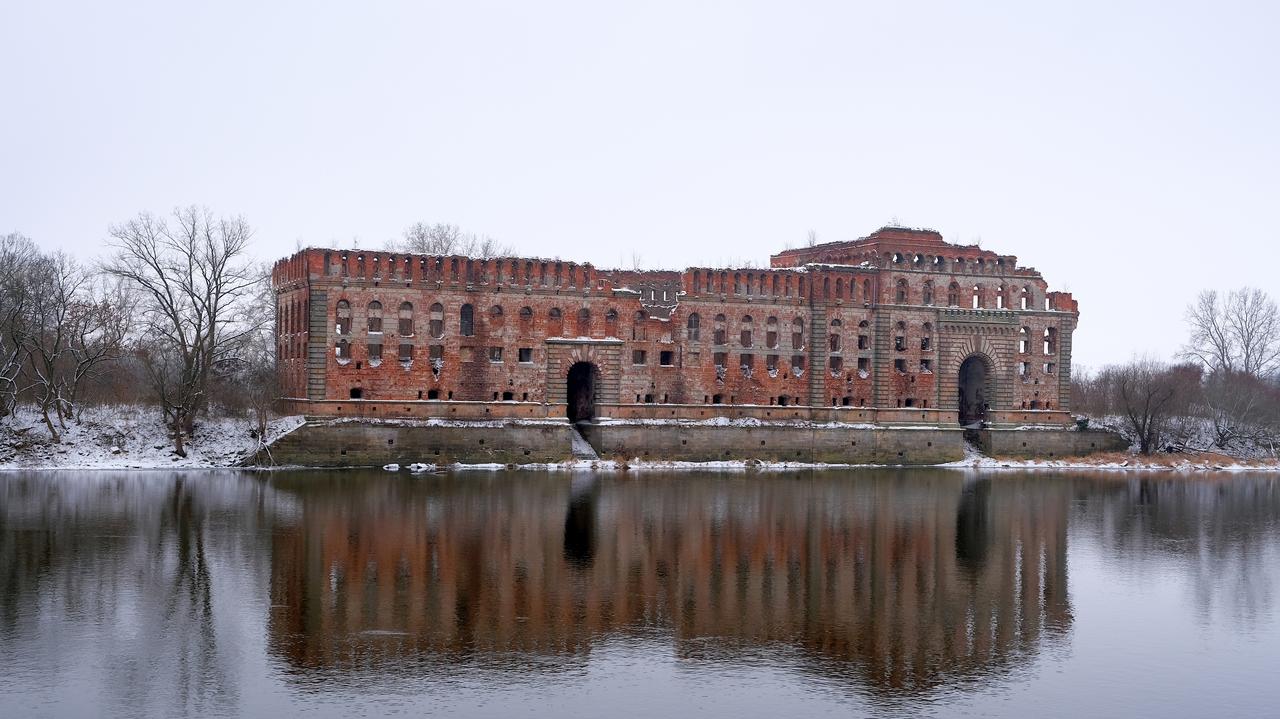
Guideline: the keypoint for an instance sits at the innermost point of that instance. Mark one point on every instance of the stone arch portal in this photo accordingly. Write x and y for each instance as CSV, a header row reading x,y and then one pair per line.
x,y
581,387
976,390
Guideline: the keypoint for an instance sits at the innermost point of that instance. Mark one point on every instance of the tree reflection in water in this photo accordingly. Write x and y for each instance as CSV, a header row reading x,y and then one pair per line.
x,y
128,561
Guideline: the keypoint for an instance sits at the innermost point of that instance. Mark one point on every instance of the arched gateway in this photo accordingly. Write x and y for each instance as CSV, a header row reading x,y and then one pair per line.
x,y
975,390
581,384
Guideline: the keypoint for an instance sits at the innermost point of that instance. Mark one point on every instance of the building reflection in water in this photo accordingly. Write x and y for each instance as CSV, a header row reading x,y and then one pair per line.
x,y
901,585
145,594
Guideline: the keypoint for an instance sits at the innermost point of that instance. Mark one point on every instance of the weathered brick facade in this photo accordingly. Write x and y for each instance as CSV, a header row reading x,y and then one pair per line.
x,y
878,328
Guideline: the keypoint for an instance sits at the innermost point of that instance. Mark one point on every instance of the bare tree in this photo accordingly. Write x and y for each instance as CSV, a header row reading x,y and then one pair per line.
x,y
17,253
55,282
1236,332
1255,326
98,326
192,277
1233,402
811,239
438,239
1149,394
449,239
248,380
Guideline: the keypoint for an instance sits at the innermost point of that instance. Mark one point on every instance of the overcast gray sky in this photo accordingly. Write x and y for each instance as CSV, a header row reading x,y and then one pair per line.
x,y
1127,150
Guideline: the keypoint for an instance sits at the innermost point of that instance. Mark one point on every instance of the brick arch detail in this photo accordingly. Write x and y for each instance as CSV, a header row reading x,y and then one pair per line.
x,y
583,353
961,347
975,346
604,356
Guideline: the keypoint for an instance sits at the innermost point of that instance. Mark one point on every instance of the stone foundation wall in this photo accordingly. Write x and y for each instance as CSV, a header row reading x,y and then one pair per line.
x,y
365,444
1049,444
327,443
357,442
836,445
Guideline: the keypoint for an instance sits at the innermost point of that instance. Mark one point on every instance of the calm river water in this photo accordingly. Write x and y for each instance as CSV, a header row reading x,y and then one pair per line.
x,y
854,593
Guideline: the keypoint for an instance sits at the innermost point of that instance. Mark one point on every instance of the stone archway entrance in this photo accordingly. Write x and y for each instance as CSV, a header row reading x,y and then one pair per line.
x,y
975,390
580,395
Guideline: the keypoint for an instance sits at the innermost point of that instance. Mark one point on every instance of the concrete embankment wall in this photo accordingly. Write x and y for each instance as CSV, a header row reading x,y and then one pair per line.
x,y
1049,444
835,445
350,442
361,444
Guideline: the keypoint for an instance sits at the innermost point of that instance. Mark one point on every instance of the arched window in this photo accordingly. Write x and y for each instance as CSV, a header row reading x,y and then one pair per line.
x,y
720,332
771,333
926,337
864,335
406,320
839,287
611,323
977,296
344,318
797,334
833,335
639,326
1050,341
745,335
953,295
344,350
555,322
496,318
375,316
1024,340
467,321
584,322
928,292
526,320
1000,297
900,292
694,325
826,287
437,321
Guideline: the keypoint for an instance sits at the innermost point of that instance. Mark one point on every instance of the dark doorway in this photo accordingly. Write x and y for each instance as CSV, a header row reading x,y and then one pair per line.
x,y
581,397
974,391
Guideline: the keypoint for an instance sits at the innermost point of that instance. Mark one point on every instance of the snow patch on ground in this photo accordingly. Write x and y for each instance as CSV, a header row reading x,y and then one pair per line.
x,y
128,437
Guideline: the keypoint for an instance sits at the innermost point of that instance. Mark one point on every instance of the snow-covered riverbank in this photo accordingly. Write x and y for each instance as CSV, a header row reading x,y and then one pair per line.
x,y
133,437
128,437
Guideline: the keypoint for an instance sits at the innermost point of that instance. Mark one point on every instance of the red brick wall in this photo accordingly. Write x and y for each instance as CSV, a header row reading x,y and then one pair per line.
x,y
886,285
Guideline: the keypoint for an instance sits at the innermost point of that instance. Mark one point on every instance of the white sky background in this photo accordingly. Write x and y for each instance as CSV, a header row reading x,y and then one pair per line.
x,y
1128,151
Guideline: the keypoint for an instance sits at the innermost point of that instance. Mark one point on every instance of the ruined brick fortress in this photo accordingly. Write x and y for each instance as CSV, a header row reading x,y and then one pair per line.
x,y
896,328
